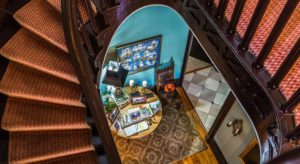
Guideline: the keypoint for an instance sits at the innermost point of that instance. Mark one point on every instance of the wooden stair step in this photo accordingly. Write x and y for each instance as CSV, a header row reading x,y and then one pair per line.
x,y
46,145
85,157
28,49
56,4
23,82
28,115
43,20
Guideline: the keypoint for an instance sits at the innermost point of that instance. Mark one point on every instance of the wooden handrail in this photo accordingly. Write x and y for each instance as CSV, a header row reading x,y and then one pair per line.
x,y
85,75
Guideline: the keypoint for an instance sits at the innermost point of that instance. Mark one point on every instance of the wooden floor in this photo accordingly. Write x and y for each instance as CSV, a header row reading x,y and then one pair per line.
x,y
203,157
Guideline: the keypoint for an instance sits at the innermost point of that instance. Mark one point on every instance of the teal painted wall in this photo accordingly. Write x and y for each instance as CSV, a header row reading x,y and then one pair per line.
x,y
148,22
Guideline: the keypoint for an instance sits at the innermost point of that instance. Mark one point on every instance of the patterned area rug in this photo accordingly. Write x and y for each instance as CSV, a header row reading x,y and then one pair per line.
x,y
175,138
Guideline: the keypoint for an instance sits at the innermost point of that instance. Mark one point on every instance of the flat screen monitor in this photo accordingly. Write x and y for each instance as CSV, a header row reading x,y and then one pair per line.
x,y
140,55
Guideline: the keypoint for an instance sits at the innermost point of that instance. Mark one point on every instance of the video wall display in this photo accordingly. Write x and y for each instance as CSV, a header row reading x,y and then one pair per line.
x,y
141,55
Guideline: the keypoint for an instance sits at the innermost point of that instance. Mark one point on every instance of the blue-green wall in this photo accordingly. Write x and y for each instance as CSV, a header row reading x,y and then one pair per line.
x,y
148,22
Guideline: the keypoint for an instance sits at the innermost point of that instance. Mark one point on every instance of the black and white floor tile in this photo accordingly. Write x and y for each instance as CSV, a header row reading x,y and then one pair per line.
x,y
207,91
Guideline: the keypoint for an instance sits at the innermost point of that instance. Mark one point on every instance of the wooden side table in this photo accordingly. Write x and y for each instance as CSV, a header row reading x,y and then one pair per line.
x,y
154,120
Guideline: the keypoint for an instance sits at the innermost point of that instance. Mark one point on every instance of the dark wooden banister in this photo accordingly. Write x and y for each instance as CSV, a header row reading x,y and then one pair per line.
x,y
85,75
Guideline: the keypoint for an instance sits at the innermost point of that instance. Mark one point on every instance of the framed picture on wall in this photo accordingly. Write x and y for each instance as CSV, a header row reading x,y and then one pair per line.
x,y
140,55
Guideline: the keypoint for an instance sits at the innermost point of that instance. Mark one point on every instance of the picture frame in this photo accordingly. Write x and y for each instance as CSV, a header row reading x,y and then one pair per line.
x,y
155,106
138,99
117,125
113,115
164,75
140,55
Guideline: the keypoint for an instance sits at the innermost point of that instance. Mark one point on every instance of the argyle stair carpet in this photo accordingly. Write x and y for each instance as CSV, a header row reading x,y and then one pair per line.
x,y
287,39
45,118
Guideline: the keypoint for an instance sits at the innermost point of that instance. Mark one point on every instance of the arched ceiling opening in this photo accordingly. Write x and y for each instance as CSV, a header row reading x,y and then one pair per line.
x,y
147,22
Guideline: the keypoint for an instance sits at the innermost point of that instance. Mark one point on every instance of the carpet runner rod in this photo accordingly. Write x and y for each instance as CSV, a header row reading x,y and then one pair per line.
x,y
43,20
29,147
28,49
22,82
27,115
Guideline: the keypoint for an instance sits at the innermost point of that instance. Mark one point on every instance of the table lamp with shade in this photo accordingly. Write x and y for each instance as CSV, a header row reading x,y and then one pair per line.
x,y
115,75
131,84
144,85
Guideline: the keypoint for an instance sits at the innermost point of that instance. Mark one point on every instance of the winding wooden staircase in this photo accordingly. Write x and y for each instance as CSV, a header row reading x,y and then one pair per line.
x,y
255,43
44,115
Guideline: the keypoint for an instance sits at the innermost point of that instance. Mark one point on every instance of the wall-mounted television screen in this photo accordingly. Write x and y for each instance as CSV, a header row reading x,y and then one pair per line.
x,y
140,55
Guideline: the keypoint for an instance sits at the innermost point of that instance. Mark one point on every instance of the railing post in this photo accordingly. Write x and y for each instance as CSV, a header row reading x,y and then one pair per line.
x,y
221,9
292,102
253,25
285,66
294,134
209,2
275,33
87,4
238,9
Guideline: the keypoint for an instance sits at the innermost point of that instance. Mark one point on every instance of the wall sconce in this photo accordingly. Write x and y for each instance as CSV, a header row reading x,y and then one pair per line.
x,y
237,126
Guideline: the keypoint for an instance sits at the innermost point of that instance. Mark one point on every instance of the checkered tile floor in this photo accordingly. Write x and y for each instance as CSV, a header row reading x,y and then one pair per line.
x,y
207,91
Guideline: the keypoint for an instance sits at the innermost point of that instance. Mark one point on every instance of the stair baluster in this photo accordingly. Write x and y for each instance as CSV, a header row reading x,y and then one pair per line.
x,y
276,31
285,66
